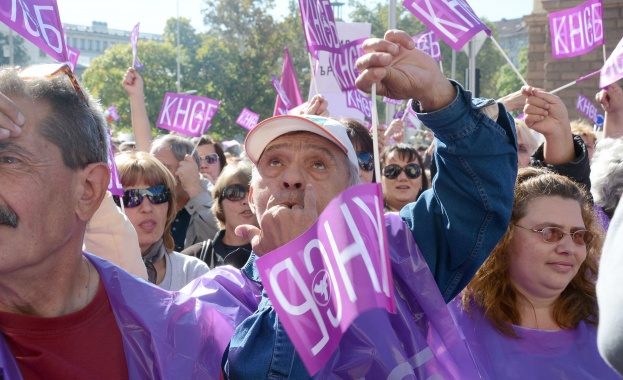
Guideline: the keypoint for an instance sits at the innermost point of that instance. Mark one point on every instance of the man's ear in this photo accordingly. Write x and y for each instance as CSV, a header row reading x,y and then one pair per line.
x,y
94,180
250,199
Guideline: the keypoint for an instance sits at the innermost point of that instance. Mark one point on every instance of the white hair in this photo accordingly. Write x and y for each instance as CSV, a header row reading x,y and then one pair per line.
x,y
607,174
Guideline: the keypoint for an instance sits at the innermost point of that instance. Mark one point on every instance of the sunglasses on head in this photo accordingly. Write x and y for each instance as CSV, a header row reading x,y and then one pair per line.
x,y
555,234
49,71
234,192
211,158
133,198
366,161
392,171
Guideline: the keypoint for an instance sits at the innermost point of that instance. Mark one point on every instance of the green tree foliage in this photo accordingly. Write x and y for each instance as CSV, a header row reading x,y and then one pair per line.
x,y
20,57
508,81
104,75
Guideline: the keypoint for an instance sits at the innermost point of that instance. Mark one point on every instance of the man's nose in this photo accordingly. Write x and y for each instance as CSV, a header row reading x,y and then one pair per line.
x,y
293,177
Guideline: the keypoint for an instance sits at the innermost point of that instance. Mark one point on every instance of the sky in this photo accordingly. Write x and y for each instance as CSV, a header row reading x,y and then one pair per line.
x,y
153,14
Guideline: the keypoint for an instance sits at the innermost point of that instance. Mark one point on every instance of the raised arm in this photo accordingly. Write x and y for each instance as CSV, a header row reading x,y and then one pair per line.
x,y
611,100
11,119
133,85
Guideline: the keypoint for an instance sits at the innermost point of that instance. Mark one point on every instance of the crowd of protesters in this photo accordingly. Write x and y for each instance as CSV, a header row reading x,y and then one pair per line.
x,y
506,220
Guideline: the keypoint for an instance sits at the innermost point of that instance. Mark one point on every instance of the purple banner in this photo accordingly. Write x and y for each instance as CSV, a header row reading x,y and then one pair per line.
x,y
38,22
358,100
73,54
453,21
339,268
281,93
587,108
319,25
226,144
247,119
613,68
427,42
343,64
134,41
114,186
138,65
289,84
392,101
577,30
187,114
112,111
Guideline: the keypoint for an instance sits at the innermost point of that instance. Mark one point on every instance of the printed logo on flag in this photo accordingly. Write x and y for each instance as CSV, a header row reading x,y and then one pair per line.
x,y
577,30
187,114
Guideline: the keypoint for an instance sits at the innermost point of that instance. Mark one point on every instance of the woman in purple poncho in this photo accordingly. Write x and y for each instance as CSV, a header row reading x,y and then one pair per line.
x,y
530,312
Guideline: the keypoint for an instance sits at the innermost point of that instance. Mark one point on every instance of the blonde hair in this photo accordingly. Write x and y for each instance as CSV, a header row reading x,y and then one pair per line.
x,y
526,135
237,172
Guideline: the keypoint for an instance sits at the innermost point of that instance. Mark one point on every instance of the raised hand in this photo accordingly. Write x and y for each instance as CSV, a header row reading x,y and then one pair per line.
x,y
11,120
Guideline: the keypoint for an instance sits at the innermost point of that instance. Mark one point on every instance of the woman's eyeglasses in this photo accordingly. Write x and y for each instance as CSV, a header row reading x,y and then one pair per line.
x,y
366,161
211,158
234,192
133,198
555,234
392,171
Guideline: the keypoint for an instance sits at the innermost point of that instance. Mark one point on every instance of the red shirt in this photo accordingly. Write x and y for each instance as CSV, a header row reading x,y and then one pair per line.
x,y
82,345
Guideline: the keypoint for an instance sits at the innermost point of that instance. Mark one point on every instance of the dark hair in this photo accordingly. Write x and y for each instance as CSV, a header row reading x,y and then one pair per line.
x,y
359,136
75,126
218,149
407,153
180,147
491,288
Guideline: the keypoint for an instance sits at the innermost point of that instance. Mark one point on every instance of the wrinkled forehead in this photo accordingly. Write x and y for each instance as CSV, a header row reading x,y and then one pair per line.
x,y
300,139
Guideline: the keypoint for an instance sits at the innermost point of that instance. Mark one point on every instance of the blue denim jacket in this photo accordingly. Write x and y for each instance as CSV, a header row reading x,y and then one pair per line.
x,y
456,224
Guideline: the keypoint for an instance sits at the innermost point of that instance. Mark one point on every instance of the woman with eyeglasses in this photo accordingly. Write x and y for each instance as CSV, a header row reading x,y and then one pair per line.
x,y
231,209
213,158
403,177
149,203
530,312
361,139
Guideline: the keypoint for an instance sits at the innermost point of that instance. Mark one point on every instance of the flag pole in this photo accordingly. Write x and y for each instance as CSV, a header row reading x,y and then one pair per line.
x,y
508,60
375,136
575,81
313,73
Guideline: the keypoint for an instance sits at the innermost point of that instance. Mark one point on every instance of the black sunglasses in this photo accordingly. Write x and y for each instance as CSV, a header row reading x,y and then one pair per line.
x,y
133,198
234,192
392,171
366,161
211,158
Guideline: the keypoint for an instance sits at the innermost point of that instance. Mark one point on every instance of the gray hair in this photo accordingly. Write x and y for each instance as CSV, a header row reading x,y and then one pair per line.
x,y
75,126
607,174
179,146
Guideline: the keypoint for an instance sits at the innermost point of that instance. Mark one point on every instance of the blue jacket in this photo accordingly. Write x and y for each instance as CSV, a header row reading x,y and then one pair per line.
x,y
456,224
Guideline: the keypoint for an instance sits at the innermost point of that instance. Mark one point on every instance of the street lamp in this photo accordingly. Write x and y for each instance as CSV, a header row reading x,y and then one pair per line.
x,y
178,83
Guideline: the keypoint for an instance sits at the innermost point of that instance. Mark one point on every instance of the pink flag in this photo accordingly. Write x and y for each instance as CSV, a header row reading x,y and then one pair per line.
x,y
289,84
577,30
73,55
38,22
247,119
134,41
343,64
339,268
427,42
281,93
114,186
392,101
453,21
613,68
358,100
319,25
112,111
587,108
187,114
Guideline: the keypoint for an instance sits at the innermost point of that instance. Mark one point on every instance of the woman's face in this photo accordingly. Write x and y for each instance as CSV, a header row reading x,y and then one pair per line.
x,y
209,171
148,219
237,212
365,176
523,153
542,270
401,190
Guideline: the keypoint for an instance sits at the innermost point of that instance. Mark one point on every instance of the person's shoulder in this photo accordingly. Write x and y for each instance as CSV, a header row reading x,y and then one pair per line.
x,y
190,263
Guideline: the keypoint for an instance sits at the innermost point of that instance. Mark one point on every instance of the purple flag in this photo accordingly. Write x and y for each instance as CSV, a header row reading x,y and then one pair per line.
x,y
134,41
427,42
587,108
226,144
343,64
73,54
281,93
114,186
247,119
319,25
613,68
358,100
138,65
339,268
392,101
289,84
112,110
577,30
454,21
38,22
187,114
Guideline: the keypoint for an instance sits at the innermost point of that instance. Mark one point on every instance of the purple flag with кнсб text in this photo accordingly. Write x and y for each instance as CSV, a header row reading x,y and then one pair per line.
x,y
38,22
187,114
114,186
358,100
134,41
577,30
343,64
310,279
247,119
427,42
587,108
453,21
319,25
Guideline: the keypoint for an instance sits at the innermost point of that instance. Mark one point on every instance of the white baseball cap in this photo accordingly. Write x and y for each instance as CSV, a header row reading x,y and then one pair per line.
x,y
268,130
